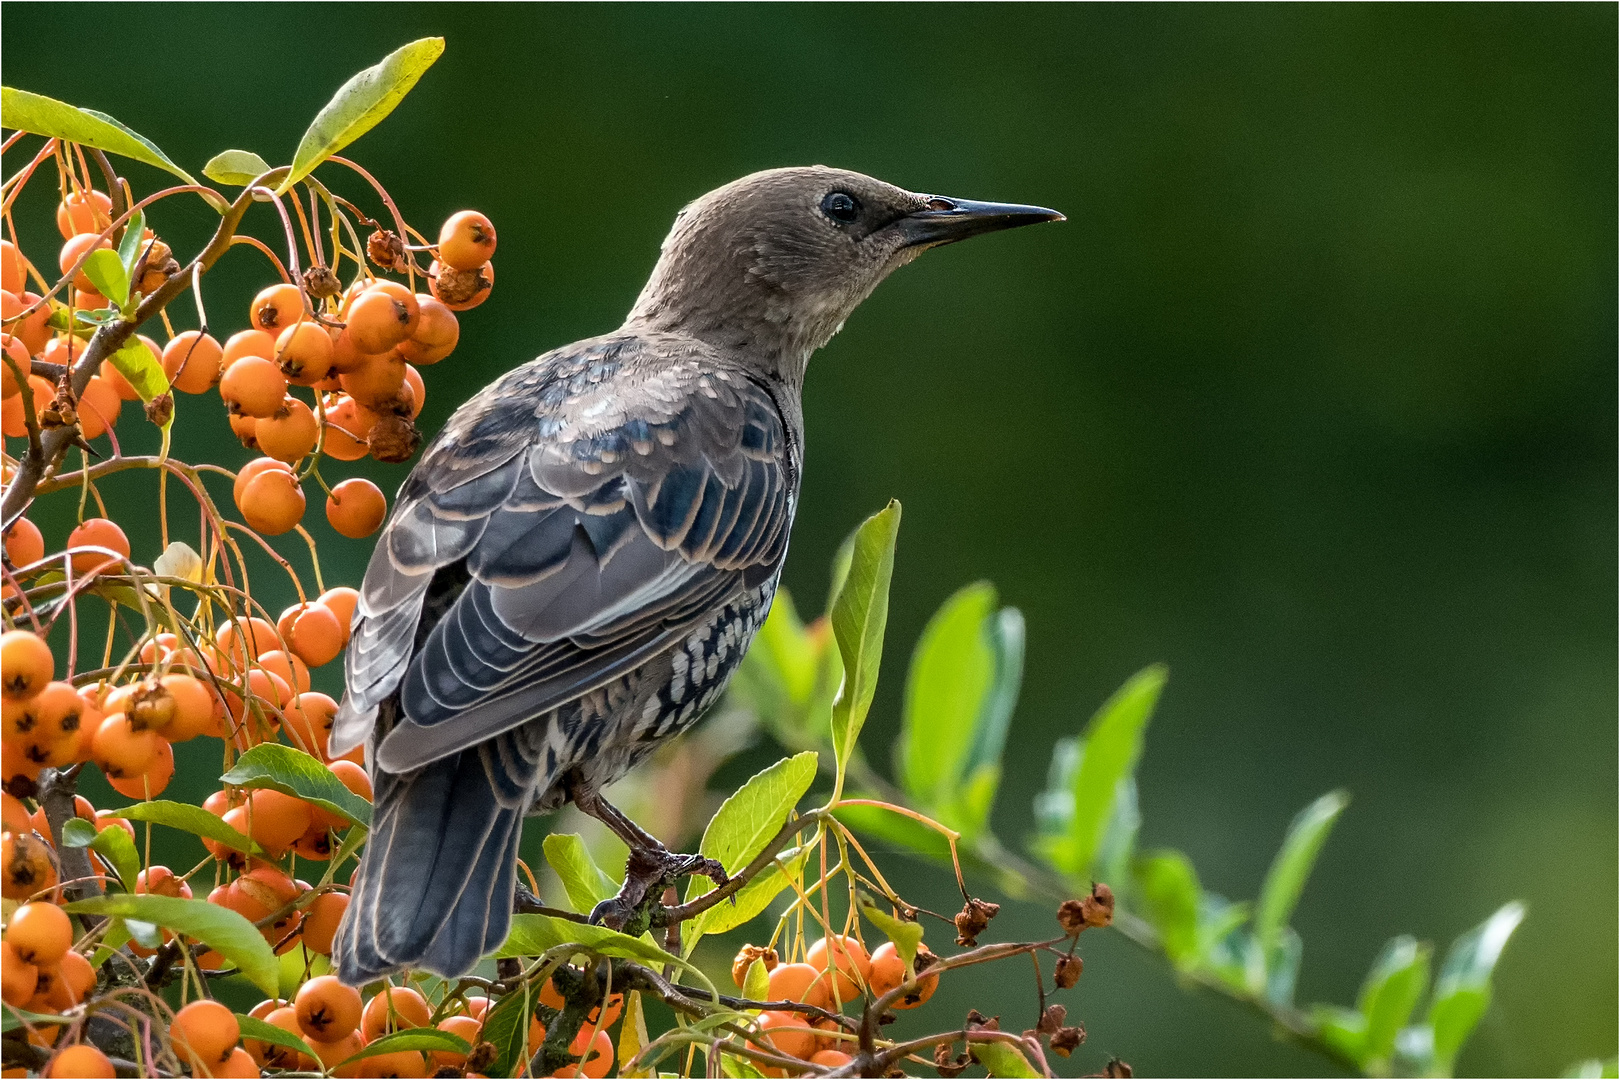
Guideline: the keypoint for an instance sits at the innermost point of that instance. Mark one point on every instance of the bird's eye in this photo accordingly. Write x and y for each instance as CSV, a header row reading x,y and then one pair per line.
x,y
841,207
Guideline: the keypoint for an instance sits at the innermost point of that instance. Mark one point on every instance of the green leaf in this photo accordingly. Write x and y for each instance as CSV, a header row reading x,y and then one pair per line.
x,y
754,813
413,1039
1167,891
57,119
859,617
1113,859
1463,990
1001,1060
752,898
757,983
535,934
129,248
78,833
905,934
583,880
220,928
239,168
839,571
14,1018
293,772
113,844
360,104
1107,757
1391,991
191,819
254,1028
951,673
1292,866
507,1027
144,371
107,274
1345,1030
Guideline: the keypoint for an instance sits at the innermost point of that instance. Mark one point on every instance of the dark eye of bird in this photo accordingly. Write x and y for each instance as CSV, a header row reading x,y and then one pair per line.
x,y
841,207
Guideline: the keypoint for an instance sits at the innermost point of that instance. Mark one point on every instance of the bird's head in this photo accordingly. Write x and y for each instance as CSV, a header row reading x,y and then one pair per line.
x,y
775,262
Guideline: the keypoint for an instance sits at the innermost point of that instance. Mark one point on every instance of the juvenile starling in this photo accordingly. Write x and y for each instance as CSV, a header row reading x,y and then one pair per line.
x,y
575,567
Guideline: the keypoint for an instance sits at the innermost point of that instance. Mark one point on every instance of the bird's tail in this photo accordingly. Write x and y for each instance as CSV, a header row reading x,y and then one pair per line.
x,y
434,889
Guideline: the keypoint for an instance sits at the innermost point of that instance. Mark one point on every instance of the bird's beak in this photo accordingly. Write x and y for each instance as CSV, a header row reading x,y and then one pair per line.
x,y
945,221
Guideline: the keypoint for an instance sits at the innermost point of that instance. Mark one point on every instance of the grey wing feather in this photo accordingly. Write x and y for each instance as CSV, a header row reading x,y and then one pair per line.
x,y
602,501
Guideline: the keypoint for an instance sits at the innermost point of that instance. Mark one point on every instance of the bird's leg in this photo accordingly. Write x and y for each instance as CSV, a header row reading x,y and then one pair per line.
x,y
651,866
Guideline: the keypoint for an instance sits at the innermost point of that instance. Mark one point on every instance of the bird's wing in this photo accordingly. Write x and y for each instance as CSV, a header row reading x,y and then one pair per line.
x,y
572,519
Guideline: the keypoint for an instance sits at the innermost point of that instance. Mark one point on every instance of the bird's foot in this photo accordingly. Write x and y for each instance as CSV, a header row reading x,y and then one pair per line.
x,y
649,871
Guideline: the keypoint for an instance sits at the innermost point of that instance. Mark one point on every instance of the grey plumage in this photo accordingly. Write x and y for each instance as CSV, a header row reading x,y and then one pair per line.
x,y
578,562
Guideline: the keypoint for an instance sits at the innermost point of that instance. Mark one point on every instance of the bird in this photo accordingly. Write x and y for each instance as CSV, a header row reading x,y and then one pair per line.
x,y
572,571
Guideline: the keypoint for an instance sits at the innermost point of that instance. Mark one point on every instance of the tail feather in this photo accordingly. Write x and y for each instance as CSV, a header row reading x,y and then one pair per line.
x,y
436,878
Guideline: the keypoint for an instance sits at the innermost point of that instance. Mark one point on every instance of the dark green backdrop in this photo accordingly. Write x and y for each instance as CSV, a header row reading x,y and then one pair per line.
x,y
1313,397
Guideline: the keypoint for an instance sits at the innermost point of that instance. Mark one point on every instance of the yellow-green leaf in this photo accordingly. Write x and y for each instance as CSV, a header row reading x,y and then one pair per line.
x,y
239,168
106,272
220,928
532,935
360,104
905,934
88,127
860,615
752,898
414,1039
294,772
582,879
1285,881
191,819
136,363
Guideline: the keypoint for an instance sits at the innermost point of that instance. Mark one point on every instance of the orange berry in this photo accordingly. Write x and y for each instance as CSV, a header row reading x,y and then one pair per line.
x,y
335,1053
244,639
98,533
247,343
848,956
346,356
288,668
34,330
889,971
393,1009
466,240
204,1033
13,421
786,1033
80,1060
465,1027
276,308
26,862
76,248
290,433
62,349
193,710
192,360
15,764
253,386
41,933
356,508
798,982
121,750
24,543
436,333
28,664
150,783
309,718
276,819
78,977
401,1063
461,290
15,816
272,1056
414,391
377,382
13,268
51,719
158,880
326,1009
551,998
322,919
82,211
347,425
239,1066
596,1055
272,502
18,978
18,353
246,430
313,634
115,378
353,777
248,472
305,352
830,1059
98,407
342,601
382,316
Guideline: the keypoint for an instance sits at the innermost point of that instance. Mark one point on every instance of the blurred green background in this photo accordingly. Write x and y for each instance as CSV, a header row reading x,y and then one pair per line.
x,y
1313,397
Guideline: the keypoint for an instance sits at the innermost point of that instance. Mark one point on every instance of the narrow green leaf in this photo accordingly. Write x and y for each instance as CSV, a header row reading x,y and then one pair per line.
x,y
1002,1060
1167,891
413,1039
107,274
191,819
1391,991
254,1028
144,371
859,617
1462,992
582,879
1005,632
951,672
129,248
1292,866
113,844
360,104
535,934
293,772
905,934
57,119
14,1018
220,928
1108,755
1343,1029
752,898
239,168
507,1027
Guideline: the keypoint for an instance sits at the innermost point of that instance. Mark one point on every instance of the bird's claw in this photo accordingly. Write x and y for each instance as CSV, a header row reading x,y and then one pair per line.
x,y
648,872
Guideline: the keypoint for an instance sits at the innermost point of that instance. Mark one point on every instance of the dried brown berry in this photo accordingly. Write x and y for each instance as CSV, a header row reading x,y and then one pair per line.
x,y
460,287
745,959
1066,1039
387,250
1116,1068
973,920
151,707
1068,971
321,283
160,409
948,1065
1099,906
977,1021
1052,1019
393,438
